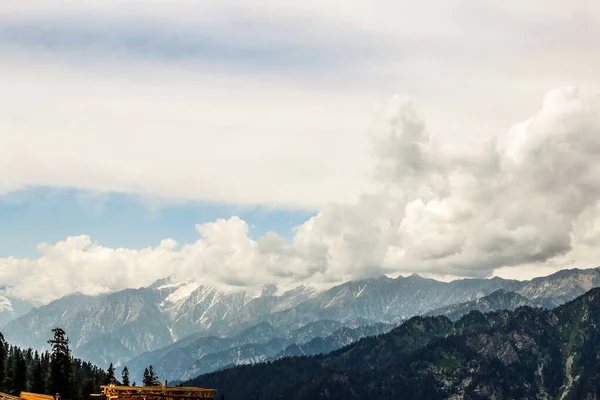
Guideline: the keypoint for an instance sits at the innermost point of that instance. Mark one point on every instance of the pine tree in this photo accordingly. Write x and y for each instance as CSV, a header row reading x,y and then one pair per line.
x,y
29,356
146,381
2,359
150,378
37,376
28,370
7,382
110,377
60,376
19,372
88,388
125,376
153,377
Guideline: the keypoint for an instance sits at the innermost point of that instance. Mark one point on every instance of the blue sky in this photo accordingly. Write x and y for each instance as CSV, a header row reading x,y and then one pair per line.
x,y
38,215
293,44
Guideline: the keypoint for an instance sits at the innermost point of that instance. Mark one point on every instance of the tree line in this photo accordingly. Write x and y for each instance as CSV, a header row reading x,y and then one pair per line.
x,y
57,371
150,378
48,372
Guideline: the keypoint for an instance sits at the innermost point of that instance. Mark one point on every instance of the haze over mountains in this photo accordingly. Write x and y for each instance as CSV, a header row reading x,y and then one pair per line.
x,y
188,328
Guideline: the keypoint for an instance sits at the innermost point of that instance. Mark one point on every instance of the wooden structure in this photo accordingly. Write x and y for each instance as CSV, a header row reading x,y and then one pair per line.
x,y
113,392
35,396
26,396
162,392
6,396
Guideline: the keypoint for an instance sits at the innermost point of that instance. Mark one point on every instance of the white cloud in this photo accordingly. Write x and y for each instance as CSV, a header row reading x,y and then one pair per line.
x,y
265,104
213,138
269,105
528,199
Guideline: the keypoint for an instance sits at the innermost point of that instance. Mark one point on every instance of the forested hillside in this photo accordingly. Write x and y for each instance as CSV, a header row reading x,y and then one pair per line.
x,y
48,372
528,353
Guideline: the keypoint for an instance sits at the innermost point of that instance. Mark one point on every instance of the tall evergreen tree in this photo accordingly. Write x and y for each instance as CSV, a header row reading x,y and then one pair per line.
x,y
150,378
7,382
110,374
153,376
88,388
2,359
37,375
146,381
125,376
60,377
28,356
19,372
25,369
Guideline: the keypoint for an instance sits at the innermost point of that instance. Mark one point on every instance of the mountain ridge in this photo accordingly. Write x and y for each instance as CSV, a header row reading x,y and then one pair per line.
x,y
526,353
120,326
497,300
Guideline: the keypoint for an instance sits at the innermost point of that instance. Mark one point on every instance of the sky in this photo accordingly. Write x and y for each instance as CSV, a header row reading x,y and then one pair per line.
x,y
242,144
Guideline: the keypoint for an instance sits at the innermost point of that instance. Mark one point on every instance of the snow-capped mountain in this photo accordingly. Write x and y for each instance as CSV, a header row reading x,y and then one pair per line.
x,y
120,326
12,307
212,311
389,300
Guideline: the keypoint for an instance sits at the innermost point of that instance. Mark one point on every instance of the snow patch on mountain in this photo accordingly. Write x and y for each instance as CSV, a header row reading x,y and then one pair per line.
x,y
183,291
6,305
12,307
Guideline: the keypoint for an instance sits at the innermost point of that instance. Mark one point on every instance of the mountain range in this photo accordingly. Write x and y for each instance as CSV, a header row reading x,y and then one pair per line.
x,y
181,325
195,355
119,326
528,353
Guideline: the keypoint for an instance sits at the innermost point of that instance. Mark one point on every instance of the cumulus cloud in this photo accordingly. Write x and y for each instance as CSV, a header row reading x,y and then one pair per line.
x,y
526,198
512,203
